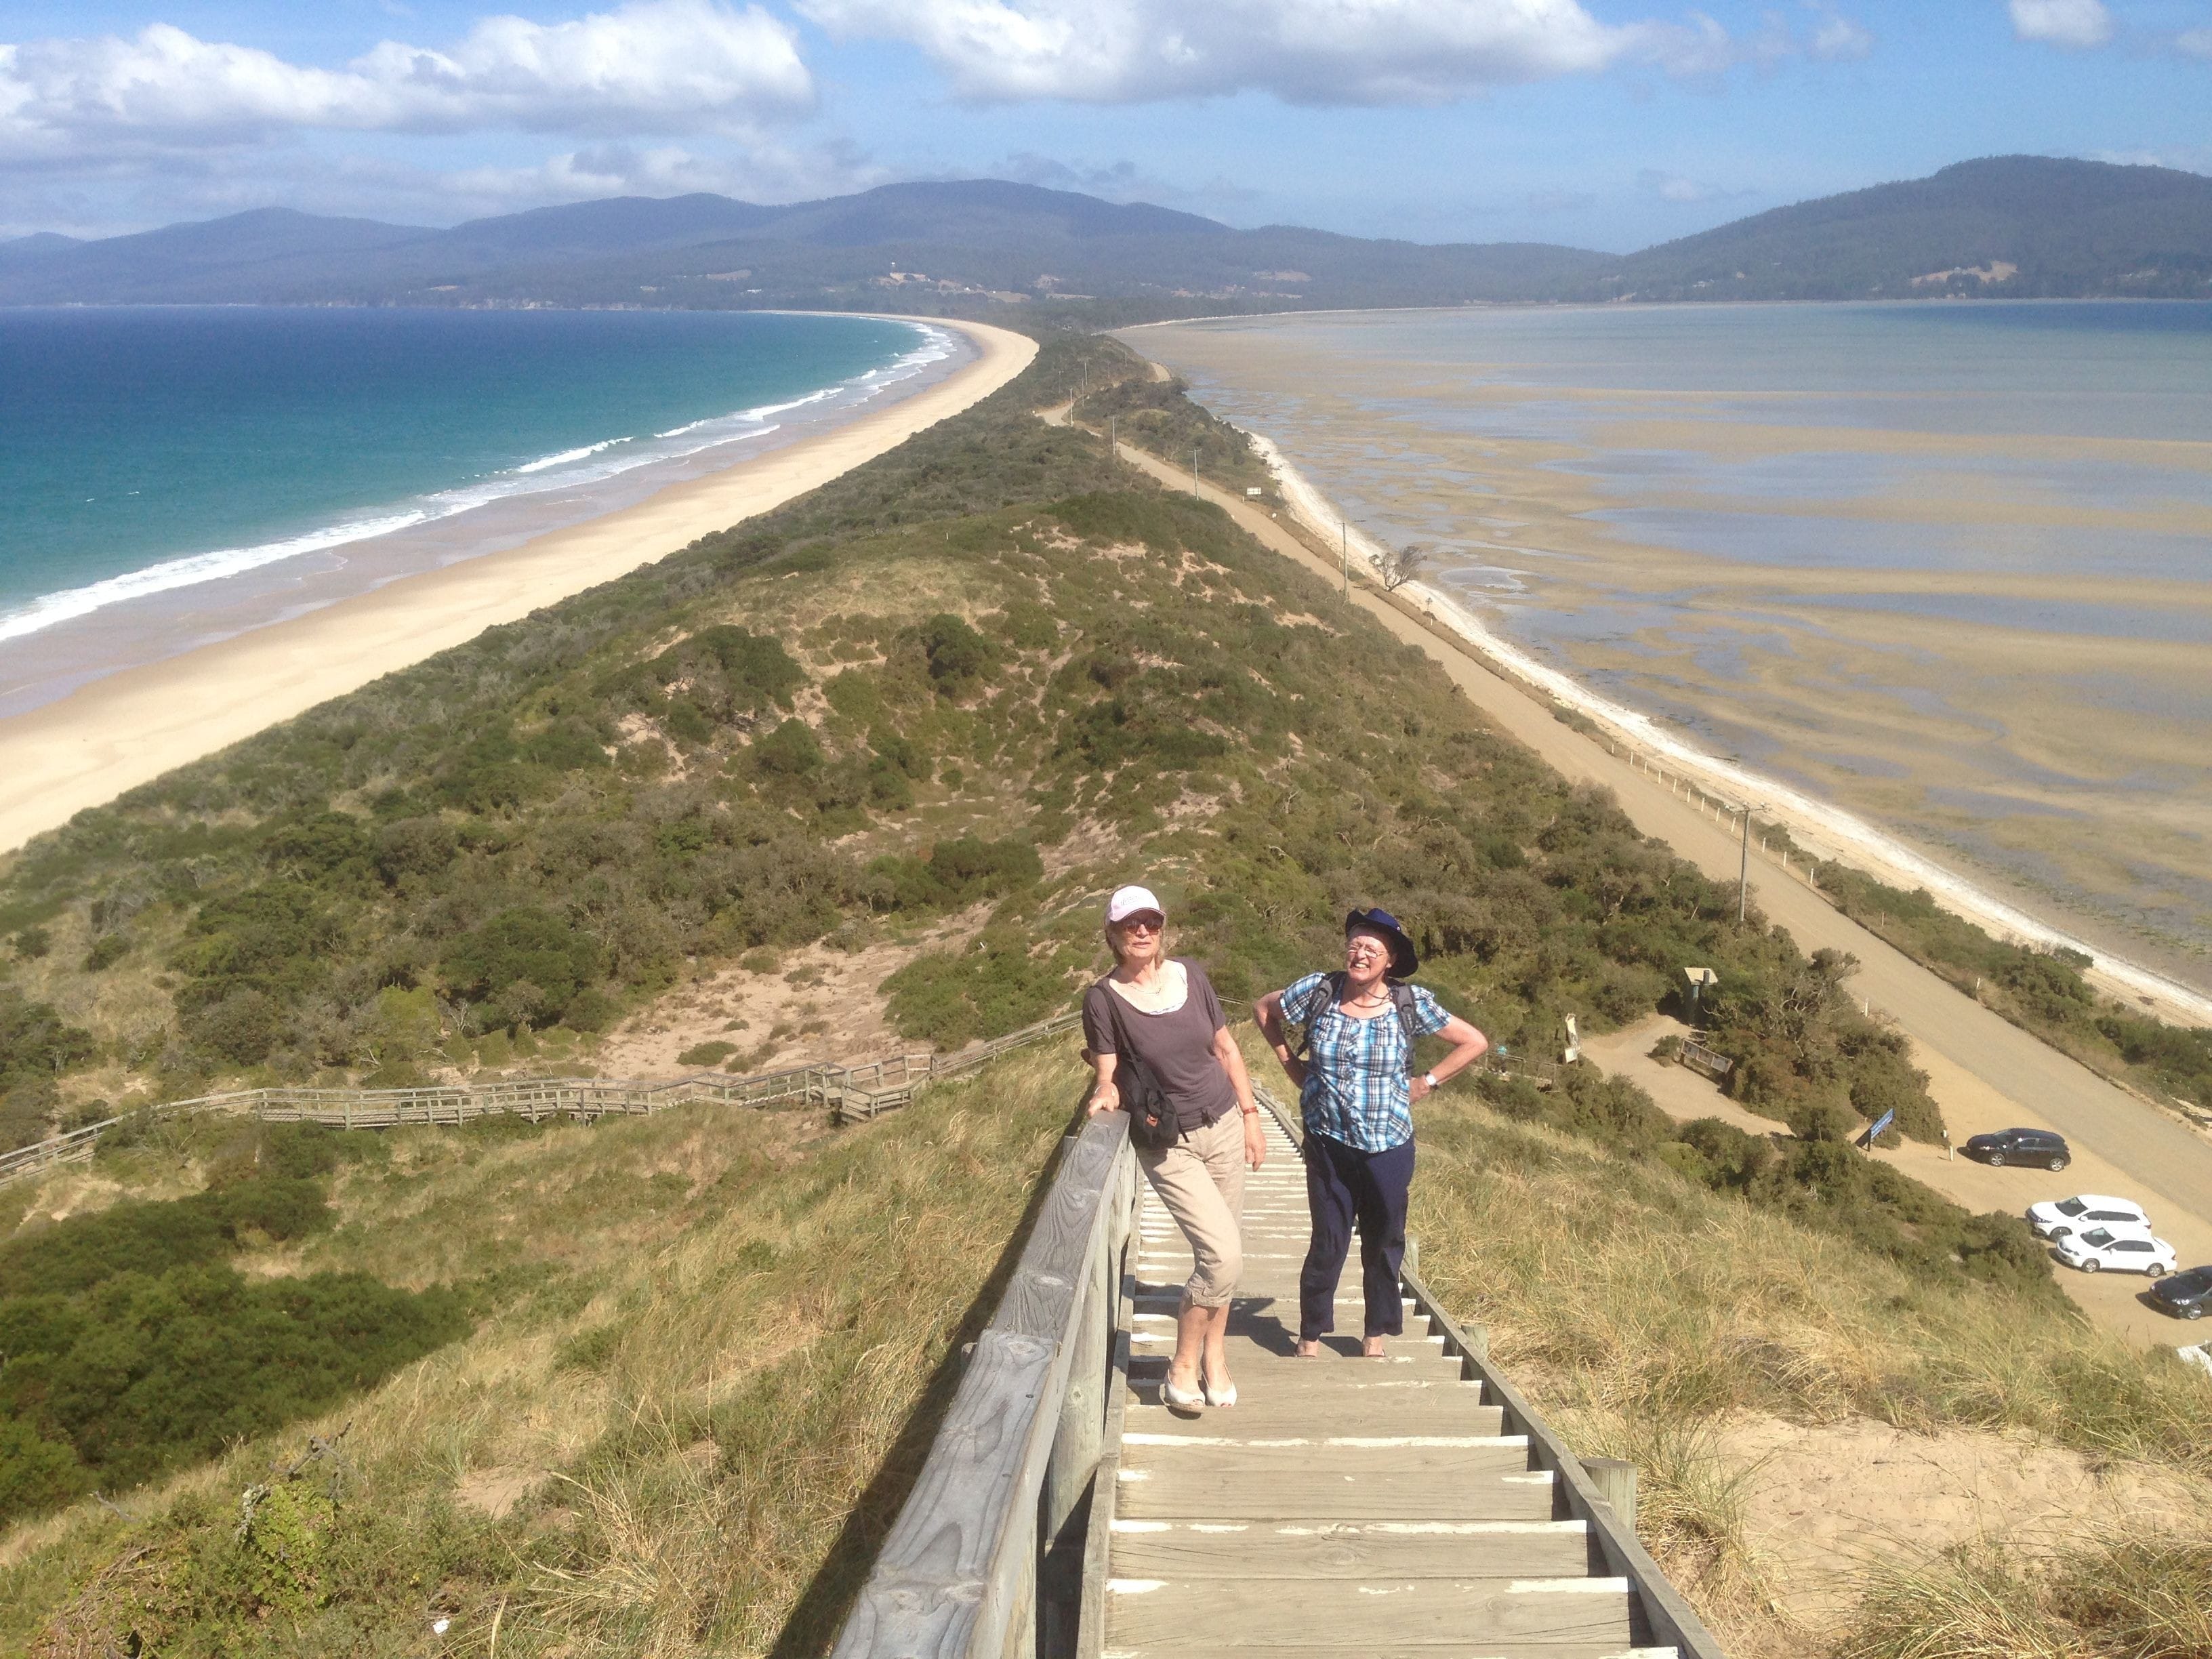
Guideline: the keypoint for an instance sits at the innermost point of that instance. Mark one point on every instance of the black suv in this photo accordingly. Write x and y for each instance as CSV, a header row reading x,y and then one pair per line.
x,y
2185,1296
2038,1147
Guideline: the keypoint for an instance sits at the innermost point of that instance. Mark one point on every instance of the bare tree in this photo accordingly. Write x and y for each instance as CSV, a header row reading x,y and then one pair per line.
x,y
1400,565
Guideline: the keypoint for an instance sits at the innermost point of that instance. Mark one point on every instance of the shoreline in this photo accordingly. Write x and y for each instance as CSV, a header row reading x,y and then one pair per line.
x,y
1828,829
85,748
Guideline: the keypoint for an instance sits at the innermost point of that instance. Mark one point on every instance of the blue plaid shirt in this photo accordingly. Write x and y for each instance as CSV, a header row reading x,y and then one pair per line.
x,y
1357,1069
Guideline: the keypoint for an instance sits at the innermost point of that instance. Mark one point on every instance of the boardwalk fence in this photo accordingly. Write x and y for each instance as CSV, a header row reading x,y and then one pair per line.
x,y
1000,1553
855,1093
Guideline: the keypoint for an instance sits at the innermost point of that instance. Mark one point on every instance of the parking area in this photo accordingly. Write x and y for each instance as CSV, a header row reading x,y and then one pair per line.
x,y
1971,1107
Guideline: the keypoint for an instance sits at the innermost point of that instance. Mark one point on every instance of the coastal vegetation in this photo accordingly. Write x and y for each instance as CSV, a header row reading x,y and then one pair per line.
x,y
2045,991
707,1353
661,1384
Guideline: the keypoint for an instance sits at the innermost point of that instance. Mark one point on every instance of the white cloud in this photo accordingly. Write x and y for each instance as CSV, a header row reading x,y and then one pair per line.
x,y
1836,37
650,66
764,173
1307,52
1674,187
2194,43
2078,23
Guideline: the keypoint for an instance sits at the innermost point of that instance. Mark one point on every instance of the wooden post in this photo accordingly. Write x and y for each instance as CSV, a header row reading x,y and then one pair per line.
x,y
1615,1480
1414,1254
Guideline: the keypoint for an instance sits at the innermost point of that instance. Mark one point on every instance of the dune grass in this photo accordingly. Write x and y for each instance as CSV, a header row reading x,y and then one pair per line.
x,y
710,1351
1643,1312
2122,1594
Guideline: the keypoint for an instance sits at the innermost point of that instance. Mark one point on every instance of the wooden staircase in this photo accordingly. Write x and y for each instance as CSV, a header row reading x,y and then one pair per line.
x,y
1344,1506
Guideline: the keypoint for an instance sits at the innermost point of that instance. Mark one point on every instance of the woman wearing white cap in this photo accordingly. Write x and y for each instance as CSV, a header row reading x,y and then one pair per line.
x,y
1163,1014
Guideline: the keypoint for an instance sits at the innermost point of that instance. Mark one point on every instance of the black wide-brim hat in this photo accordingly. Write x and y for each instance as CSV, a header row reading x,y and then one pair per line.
x,y
1405,962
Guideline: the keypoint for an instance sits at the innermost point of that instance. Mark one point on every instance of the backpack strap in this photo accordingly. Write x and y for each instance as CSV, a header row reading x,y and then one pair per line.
x,y
1335,984
1401,998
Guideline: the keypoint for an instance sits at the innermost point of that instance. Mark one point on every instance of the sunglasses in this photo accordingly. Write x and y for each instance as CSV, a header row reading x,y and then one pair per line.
x,y
1141,923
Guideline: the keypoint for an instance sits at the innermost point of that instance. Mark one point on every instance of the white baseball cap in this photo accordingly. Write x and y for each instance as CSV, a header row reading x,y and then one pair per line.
x,y
1134,901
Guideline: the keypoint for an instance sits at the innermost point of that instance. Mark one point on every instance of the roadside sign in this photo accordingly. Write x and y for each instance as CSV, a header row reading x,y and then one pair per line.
x,y
1874,1129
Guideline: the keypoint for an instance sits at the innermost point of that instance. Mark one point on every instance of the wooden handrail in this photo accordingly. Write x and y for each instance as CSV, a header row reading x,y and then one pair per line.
x,y
1010,1478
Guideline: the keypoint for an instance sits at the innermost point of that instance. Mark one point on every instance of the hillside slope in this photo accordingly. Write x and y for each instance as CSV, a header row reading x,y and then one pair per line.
x,y
2011,226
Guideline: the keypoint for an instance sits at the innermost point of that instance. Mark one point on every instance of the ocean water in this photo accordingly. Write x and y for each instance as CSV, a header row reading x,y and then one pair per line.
x,y
169,475
1948,566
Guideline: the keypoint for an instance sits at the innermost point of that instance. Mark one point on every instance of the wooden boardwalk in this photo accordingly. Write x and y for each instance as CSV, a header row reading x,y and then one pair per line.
x,y
1344,1505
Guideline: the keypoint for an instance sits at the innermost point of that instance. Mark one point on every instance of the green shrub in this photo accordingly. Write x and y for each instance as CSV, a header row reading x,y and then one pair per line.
x,y
706,1054
144,1371
959,658
528,947
791,750
82,1251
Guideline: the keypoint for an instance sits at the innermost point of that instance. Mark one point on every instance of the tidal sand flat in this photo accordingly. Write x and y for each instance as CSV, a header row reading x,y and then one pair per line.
x,y
1948,567
128,724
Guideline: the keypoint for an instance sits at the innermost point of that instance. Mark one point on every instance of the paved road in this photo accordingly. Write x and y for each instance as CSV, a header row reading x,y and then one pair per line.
x,y
2024,1080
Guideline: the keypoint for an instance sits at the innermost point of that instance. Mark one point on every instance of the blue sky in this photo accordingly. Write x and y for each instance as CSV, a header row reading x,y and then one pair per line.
x,y
1607,124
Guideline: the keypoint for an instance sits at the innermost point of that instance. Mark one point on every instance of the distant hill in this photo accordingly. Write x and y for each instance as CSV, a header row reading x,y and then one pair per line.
x,y
2012,226
913,246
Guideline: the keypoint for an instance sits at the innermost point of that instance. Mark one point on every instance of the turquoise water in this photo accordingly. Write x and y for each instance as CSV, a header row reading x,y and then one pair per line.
x,y
172,450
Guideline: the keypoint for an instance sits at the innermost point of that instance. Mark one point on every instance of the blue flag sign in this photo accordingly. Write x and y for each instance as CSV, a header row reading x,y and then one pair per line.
x,y
1874,1129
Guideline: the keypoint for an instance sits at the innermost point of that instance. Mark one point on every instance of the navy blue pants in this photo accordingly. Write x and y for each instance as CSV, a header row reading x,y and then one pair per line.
x,y
1344,1188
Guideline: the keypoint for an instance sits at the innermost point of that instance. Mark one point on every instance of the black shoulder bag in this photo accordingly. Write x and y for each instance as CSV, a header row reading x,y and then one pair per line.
x,y
1153,1124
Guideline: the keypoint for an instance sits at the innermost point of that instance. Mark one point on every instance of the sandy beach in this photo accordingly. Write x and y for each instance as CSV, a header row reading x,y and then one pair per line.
x,y
88,747
1969,660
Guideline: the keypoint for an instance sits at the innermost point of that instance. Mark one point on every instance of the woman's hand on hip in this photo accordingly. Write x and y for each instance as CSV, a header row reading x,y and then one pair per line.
x,y
1106,1097
1255,1140
1418,1089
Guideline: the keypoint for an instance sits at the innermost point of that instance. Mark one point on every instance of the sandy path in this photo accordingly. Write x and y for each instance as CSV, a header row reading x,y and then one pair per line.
x,y
117,733
2019,1079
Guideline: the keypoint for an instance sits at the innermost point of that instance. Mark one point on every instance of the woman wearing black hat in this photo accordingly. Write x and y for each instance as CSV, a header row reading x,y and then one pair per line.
x,y
1355,1094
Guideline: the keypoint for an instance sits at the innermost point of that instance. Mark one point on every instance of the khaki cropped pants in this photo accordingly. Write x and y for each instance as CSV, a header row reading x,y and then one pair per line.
x,y
1200,1181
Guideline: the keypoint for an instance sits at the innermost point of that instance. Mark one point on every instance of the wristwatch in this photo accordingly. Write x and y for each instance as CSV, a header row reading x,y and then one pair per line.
x,y
1430,1078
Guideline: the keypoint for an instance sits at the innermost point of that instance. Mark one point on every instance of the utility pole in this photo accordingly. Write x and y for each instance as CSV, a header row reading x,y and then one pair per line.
x,y
1082,385
1743,866
1194,469
1113,443
1344,553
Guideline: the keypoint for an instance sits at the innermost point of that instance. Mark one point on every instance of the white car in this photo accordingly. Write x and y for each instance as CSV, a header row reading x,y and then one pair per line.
x,y
2060,1216
2127,1252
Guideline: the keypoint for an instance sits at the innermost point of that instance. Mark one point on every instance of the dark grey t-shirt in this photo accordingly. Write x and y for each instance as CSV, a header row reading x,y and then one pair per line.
x,y
1177,1045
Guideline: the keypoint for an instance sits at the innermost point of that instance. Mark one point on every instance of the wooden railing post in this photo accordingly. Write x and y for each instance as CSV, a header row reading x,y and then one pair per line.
x,y
1615,1480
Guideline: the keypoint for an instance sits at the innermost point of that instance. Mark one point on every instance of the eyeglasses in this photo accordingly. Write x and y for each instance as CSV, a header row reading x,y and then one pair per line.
x,y
1141,923
1365,947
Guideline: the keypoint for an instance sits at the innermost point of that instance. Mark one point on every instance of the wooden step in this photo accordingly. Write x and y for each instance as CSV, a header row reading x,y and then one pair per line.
x,y
1459,1616
1449,1408
1247,1483
1215,1546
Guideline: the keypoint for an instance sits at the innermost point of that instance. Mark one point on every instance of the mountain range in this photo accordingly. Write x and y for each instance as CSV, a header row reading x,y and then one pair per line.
x,y
2028,227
